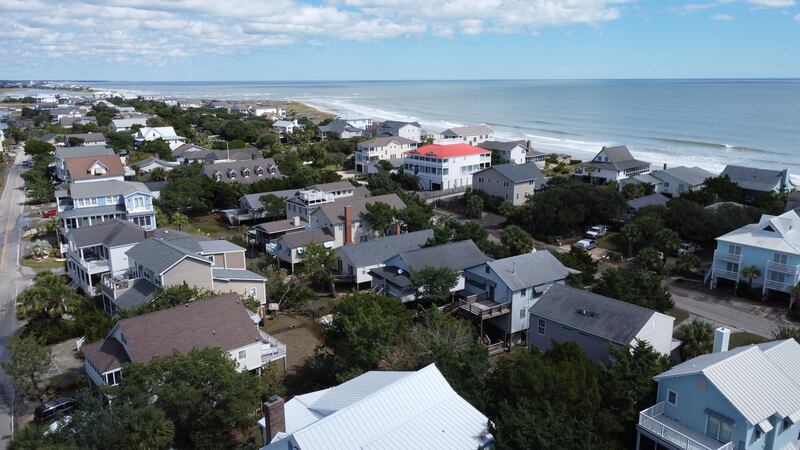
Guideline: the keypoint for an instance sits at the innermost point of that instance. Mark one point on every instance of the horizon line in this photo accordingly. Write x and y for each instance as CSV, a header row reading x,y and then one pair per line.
x,y
409,80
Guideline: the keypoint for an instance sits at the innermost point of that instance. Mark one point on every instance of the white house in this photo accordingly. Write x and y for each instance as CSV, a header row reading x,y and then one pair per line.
x,y
612,164
286,126
409,130
267,111
148,164
381,148
377,410
514,152
446,166
357,260
126,124
672,182
471,135
219,322
165,133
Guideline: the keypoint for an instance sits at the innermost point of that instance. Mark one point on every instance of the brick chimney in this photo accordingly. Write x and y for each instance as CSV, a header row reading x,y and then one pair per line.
x,y
348,225
149,233
397,228
274,417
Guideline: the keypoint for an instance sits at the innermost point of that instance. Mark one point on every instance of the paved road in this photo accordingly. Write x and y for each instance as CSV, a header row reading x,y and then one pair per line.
x,y
11,279
719,309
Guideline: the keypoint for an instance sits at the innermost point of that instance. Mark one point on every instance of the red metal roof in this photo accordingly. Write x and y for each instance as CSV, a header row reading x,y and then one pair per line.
x,y
448,150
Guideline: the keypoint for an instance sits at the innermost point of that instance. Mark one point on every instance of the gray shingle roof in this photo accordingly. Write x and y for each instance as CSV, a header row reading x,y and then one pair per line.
x,y
472,130
140,293
236,274
305,237
94,211
619,158
109,187
754,179
219,246
758,380
502,146
381,141
83,152
338,127
529,270
105,355
647,200
112,233
379,250
159,255
252,165
254,202
333,186
396,124
605,317
87,137
281,225
335,211
453,255
517,173
693,176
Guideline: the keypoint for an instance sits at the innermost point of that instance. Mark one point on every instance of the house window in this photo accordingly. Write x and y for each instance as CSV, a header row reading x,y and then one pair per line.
x,y
242,354
113,378
253,292
540,327
780,258
486,269
731,267
734,249
522,313
672,397
523,292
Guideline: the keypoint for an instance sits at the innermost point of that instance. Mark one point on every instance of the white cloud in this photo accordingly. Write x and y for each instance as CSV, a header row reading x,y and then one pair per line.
x,y
722,17
166,29
797,18
772,3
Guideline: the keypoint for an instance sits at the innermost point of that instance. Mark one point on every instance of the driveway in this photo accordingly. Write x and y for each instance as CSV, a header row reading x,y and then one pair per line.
x,y
736,313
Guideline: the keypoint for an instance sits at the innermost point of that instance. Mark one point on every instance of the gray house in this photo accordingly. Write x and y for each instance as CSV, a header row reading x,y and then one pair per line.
x,y
512,182
753,180
593,321
633,206
357,260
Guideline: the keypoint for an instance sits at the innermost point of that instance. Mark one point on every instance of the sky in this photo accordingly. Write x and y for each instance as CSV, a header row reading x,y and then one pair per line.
x,y
215,40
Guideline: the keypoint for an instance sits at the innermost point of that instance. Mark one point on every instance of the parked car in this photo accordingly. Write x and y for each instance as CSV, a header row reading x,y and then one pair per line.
x,y
47,213
27,163
688,247
586,244
48,411
596,231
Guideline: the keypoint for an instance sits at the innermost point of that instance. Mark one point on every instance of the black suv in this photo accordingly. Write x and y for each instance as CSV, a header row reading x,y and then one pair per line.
x,y
49,410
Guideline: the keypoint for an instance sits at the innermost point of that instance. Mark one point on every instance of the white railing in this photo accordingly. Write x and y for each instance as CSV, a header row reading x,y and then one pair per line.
x,y
648,420
778,286
780,267
271,348
722,273
725,256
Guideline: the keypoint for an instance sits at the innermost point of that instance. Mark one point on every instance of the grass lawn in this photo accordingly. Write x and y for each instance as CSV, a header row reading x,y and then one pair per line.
x,y
679,314
301,109
44,264
613,241
300,333
743,338
210,226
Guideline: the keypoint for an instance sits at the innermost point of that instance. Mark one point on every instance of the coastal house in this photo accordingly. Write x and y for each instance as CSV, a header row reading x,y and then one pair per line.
x,y
470,135
378,409
611,164
68,122
566,314
171,258
406,130
513,182
514,152
772,246
219,322
190,153
147,165
61,112
274,112
98,249
305,201
747,398
357,260
85,204
93,169
81,139
339,128
672,182
62,154
393,277
361,123
288,248
120,125
166,134
269,232
446,166
286,126
246,171
379,149
634,205
753,180
251,208
347,220
498,294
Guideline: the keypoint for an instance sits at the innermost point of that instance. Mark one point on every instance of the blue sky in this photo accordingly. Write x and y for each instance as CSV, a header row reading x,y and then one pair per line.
x,y
398,39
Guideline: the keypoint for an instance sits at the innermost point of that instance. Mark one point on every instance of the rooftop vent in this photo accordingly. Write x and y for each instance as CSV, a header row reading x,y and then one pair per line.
x,y
586,312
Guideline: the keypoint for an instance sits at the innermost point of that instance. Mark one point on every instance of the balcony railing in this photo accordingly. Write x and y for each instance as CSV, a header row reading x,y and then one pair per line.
x,y
114,286
780,267
271,348
778,286
656,423
722,273
725,256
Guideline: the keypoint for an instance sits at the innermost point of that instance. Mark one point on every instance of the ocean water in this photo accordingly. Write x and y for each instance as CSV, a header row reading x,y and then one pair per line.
x,y
707,123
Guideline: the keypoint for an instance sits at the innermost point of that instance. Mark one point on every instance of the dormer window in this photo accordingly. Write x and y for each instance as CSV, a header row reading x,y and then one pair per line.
x,y
273,169
259,171
245,172
217,176
232,174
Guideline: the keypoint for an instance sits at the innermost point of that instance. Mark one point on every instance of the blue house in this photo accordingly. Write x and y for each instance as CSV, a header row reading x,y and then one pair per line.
x,y
772,245
744,399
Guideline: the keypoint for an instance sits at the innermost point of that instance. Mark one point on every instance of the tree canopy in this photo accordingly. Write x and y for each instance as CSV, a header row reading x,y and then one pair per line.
x,y
636,286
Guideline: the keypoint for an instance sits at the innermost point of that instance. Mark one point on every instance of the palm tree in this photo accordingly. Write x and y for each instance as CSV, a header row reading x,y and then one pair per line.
x,y
179,220
751,272
41,248
632,234
697,337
